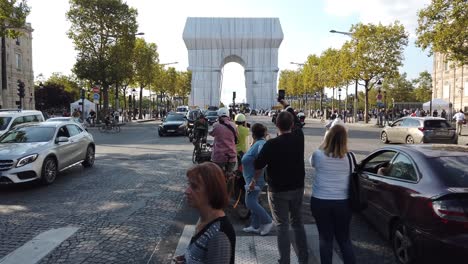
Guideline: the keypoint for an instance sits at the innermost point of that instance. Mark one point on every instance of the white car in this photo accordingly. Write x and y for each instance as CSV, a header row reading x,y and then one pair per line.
x,y
10,118
39,151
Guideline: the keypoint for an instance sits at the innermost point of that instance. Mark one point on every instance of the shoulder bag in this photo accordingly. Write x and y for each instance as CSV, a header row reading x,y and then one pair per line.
x,y
357,196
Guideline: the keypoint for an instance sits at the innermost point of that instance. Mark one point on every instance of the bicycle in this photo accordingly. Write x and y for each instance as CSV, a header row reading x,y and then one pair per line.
x,y
110,128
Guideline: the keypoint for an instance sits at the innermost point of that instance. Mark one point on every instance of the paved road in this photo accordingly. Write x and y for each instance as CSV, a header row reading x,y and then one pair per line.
x,y
129,207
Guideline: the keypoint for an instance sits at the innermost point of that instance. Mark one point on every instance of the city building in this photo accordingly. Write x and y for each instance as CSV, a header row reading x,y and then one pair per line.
x,y
16,64
450,82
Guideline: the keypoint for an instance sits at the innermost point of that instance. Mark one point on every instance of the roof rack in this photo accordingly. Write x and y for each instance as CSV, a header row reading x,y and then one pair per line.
x,y
11,110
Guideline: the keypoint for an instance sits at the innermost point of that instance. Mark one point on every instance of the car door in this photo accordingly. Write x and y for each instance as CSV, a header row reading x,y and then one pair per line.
x,y
64,150
397,187
76,140
393,131
368,172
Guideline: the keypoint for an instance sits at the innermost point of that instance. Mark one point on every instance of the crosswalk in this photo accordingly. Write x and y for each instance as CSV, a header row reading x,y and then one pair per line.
x,y
256,249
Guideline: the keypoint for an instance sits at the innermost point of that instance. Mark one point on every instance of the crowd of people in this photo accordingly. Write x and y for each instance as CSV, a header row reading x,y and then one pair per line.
x,y
279,163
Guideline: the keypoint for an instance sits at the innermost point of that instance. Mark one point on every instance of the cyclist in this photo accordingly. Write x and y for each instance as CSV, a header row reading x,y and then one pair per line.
x,y
200,128
107,121
243,132
224,144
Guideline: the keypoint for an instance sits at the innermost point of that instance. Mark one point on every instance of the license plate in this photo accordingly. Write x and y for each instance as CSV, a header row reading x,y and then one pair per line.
x,y
170,130
442,133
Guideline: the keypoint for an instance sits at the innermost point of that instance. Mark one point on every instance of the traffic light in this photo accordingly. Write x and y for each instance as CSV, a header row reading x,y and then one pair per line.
x,y
21,89
233,96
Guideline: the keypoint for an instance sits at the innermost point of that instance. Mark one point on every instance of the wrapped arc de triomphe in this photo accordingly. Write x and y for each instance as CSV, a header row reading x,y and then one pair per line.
x,y
251,42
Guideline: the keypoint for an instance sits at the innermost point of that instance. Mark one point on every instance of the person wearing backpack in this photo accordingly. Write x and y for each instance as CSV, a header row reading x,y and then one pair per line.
x,y
330,200
225,139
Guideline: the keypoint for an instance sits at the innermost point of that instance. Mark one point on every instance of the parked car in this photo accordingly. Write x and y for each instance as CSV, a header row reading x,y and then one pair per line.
x,y
212,116
253,112
174,124
10,118
39,151
418,199
412,130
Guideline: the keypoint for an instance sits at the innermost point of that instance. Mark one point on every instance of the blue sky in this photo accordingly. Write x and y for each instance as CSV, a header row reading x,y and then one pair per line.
x,y
305,24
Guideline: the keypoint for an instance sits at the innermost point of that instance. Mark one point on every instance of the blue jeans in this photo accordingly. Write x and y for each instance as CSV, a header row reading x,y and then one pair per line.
x,y
283,206
259,215
333,218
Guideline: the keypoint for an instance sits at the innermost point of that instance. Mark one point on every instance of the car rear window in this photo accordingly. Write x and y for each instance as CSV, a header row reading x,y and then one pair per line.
x,y
452,170
436,124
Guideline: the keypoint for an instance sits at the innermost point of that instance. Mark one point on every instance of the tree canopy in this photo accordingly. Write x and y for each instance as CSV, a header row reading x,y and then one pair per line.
x,y
12,17
442,27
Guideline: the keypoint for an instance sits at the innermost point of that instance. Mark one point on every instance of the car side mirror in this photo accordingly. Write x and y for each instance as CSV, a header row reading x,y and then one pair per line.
x,y
62,140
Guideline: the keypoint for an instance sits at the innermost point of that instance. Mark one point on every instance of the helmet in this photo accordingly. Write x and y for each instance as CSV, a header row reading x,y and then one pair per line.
x,y
223,112
240,118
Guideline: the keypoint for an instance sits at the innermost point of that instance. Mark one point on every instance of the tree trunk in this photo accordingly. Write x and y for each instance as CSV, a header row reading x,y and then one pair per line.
x,y
366,101
140,116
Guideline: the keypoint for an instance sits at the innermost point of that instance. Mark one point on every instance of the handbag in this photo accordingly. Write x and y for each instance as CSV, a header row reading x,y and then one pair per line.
x,y
357,196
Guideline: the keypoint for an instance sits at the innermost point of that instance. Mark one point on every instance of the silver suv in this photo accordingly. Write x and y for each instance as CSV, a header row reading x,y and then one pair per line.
x,y
38,151
412,130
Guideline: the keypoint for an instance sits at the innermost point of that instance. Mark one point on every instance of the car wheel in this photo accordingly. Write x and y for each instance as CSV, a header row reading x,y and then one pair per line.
x,y
384,137
403,246
49,171
89,160
160,134
409,140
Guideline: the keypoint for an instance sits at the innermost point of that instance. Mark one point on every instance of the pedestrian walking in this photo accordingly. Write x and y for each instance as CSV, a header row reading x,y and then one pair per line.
x,y
284,156
260,220
329,202
460,121
443,114
214,240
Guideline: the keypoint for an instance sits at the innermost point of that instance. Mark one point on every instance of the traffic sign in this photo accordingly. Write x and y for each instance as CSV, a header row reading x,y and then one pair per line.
x,y
96,89
96,96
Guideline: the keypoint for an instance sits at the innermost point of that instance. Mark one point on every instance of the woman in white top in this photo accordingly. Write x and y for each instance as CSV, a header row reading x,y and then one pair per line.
x,y
329,202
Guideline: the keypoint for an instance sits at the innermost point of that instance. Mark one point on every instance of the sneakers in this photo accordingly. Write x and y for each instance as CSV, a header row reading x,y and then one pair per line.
x,y
265,229
251,229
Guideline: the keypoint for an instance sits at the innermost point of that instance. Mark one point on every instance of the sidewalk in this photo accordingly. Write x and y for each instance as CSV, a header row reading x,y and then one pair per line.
x,y
256,249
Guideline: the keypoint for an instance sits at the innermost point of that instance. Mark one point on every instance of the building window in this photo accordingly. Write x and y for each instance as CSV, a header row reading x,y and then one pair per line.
x,y
18,41
446,66
446,91
18,61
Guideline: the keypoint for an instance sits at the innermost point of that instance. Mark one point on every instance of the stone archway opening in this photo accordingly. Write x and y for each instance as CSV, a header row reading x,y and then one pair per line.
x,y
251,42
232,80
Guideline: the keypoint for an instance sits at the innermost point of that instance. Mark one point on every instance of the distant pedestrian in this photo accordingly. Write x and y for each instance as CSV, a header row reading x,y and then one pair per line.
x,y
284,158
460,121
435,113
329,202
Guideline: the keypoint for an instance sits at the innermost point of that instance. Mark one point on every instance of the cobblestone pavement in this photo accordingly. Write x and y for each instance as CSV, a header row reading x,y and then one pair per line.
x,y
123,206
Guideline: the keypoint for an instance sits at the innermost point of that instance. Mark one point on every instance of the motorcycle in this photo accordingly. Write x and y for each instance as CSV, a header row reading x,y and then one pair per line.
x,y
301,117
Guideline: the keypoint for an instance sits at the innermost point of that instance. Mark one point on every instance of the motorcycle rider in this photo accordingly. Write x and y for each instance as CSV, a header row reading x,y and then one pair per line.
x,y
200,128
224,144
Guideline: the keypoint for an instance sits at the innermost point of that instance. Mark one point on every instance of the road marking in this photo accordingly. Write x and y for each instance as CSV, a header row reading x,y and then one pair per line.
x,y
37,248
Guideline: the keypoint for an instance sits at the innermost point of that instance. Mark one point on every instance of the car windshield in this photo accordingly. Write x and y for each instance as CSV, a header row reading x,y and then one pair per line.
x,y
193,115
28,135
181,109
4,121
175,118
436,124
211,113
453,170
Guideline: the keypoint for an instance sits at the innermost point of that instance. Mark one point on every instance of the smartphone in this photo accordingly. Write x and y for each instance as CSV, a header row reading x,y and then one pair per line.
x,y
281,94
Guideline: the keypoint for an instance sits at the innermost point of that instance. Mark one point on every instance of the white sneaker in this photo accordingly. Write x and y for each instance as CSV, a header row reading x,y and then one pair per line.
x,y
265,229
251,229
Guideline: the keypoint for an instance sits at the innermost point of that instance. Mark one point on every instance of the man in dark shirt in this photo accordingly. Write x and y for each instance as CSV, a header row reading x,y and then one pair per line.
x,y
284,156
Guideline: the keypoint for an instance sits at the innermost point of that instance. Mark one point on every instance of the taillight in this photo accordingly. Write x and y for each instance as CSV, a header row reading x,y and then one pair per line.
x,y
421,129
450,210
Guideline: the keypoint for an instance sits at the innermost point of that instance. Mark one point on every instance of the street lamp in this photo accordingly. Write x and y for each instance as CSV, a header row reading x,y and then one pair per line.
x,y
341,32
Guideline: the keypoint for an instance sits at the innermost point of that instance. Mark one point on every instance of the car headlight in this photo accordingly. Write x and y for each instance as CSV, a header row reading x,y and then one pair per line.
x,y
26,160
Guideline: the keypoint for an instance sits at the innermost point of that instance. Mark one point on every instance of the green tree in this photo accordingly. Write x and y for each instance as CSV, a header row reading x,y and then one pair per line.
x,y
442,27
12,17
68,83
145,61
184,85
96,27
315,76
378,52
423,87
399,88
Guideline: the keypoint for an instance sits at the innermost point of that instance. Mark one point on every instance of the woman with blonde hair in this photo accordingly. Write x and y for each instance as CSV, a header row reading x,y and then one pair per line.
x,y
329,202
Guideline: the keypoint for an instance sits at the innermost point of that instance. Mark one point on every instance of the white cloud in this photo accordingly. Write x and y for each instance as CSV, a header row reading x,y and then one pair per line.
x,y
375,11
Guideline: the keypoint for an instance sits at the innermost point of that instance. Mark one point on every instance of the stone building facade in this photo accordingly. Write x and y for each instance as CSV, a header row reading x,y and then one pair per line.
x,y
450,82
18,54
